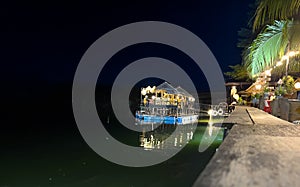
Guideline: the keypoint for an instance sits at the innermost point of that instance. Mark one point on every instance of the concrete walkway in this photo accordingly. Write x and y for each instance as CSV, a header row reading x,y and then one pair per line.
x,y
260,150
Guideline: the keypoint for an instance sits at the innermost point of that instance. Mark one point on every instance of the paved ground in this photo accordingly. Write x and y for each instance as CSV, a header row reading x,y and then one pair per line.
x,y
262,151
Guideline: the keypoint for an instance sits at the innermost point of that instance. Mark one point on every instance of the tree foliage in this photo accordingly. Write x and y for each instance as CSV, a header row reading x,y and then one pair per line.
x,y
269,45
270,39
238,73
270,10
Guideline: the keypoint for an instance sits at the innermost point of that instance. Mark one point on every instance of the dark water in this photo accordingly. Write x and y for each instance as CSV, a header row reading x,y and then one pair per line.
x,y
68,161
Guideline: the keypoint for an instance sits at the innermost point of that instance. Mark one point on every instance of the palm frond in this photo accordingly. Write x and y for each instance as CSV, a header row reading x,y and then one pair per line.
x,y
269,10
238,72
269,45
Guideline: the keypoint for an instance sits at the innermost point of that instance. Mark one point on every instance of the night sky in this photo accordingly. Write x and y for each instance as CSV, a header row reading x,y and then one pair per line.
x,y
44,41
42,44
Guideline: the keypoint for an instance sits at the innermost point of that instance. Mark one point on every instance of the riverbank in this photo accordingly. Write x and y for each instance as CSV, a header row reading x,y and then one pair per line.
x,y
260,150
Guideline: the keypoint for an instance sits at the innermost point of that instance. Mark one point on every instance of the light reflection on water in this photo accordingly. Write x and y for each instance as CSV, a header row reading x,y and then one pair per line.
x,y
157,139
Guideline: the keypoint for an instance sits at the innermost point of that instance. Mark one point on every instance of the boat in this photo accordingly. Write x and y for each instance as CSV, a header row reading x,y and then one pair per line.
x,y
166,104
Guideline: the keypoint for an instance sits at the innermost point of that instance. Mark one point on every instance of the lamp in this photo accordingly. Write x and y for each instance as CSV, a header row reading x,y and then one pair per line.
x,y
148,89
268,72
285,57
233,90
152,90
236,97
258,86
297,85
293,53
280,82
279,63
144,91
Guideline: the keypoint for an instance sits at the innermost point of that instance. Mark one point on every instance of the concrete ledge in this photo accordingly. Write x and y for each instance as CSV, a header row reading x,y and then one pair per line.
x,y
239,116
262,118
256,155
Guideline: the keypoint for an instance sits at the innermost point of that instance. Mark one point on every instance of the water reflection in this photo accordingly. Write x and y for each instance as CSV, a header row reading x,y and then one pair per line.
x,y
211,134
157,139
210,126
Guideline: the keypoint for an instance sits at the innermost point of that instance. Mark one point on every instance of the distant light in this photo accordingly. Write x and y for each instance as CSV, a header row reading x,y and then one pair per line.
x,y
152,90
258,87
233,90
210,112
285,57
279,63
236,97
293,53
297,85
268,72
144,91
148,89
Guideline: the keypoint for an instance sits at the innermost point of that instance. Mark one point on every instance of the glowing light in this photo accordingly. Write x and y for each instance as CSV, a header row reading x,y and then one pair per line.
x,y
233,90
285,57
210,112
258,87
268,72
280,82
144,91
293,53
236,97
279,63
148,89
152,90
297,85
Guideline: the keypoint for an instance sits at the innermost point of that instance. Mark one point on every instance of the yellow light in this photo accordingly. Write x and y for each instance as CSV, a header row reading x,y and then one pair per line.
x,y
268,72
297,85
148,89
284,58
152,90
279,63
236,97
258,87
209,112
144,91
293,53
233,90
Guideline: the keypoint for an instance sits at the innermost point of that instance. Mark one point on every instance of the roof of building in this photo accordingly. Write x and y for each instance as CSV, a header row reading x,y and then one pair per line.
x,y
171,90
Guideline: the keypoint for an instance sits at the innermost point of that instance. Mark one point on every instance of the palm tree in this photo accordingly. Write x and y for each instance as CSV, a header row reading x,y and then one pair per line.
x,y
269,45
238,73
270,10
274,38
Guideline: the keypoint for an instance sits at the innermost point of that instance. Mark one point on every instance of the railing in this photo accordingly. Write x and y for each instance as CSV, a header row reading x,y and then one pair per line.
x,y
171,110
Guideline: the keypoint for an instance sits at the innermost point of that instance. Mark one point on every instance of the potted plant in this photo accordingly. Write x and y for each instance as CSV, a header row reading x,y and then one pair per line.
x,y
266,91
255,99
288,84
280,92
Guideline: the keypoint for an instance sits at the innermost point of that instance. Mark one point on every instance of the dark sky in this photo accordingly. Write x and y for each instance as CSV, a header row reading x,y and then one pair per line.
x,y
43,42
